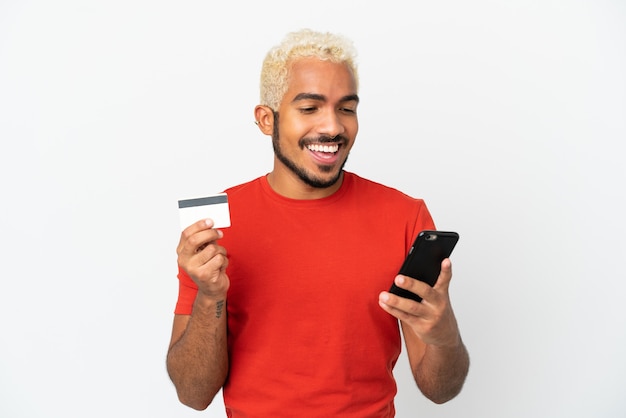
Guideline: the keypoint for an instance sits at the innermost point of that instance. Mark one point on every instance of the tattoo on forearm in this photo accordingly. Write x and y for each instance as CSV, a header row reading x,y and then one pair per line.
x,y
219,309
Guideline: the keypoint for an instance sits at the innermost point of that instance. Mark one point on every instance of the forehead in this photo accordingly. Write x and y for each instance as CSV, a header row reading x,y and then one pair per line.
x,y
312,75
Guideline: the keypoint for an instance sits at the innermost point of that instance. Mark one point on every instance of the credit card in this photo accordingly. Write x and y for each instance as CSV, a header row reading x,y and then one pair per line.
x,y
214,207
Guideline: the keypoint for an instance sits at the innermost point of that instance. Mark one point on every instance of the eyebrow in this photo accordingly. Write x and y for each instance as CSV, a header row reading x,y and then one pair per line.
x,y
322,98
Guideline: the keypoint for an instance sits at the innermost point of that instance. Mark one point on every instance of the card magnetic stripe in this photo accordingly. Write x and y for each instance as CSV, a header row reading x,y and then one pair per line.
x,y
202,201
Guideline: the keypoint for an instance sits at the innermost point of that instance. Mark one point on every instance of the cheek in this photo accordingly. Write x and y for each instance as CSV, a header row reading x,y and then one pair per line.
x,y
352,129
351,125
294,131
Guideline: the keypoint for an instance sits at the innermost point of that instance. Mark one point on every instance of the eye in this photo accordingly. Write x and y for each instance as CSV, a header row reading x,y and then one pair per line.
x,y
347,110
308,109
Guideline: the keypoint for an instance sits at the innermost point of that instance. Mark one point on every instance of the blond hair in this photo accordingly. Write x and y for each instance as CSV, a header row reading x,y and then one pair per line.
x,y
302,44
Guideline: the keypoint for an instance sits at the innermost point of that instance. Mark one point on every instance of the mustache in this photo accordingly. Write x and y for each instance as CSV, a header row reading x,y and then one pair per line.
x,y
322,139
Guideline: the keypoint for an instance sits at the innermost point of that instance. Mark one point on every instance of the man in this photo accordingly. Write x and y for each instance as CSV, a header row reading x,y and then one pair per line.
x,y
287,309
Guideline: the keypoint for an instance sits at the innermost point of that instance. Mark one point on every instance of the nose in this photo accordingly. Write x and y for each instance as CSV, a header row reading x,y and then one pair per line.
x,y
330,124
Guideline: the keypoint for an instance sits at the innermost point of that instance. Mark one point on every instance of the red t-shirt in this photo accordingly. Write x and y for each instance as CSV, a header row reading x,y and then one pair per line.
x,y
306,336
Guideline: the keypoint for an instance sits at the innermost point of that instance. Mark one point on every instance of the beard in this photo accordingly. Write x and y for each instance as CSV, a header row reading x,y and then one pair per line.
x,y
306,177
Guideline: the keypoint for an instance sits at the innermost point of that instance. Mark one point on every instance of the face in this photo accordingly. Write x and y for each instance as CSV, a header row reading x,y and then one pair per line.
x,y
316,124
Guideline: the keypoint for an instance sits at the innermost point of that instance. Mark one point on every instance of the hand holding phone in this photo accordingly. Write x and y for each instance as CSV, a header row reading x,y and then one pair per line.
x,y
424,259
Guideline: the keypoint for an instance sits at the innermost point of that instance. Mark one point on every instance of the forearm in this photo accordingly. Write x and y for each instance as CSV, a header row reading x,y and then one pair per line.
x,y
442,371
198,361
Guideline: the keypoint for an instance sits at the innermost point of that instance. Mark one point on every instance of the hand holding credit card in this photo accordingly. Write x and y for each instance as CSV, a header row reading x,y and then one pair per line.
x,y
213,207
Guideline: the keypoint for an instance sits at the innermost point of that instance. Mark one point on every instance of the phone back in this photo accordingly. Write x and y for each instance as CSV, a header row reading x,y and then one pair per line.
x,y
424,259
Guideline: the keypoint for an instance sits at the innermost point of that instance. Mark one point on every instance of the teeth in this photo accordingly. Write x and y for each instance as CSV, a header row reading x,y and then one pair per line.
x,y
323,148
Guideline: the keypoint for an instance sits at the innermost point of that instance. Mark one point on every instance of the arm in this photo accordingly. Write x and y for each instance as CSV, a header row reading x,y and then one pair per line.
x,y
439,360
197,359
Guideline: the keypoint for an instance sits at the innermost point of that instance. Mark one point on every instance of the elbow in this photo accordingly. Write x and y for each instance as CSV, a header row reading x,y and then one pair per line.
x,y
195,404
439,393
442,384
441,397
196,392
195,401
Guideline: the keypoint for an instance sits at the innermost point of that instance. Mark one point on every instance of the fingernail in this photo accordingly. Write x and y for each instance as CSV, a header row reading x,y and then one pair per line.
x,y
209,222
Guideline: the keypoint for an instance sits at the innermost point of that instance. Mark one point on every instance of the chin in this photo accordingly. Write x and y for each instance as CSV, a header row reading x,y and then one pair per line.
x,y
323,181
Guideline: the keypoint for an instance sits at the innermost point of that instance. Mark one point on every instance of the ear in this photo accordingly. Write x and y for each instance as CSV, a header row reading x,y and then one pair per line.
x,y
264,119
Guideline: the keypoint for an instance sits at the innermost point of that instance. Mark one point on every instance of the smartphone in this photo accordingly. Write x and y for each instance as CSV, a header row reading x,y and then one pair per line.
x,y
424,259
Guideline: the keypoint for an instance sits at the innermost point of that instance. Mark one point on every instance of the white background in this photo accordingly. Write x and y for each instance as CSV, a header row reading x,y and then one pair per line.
x,y
508,117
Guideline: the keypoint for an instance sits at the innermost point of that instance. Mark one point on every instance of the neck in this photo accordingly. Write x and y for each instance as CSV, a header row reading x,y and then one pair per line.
x,y
291,186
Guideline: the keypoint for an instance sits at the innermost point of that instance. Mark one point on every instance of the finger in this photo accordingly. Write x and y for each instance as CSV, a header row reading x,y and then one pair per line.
x,y
200,225
208,264
415,286
212,269
194,242
401,308
445,276
212,255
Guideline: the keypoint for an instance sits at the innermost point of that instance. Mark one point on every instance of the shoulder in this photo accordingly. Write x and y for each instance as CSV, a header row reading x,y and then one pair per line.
x,y
369,188
245,189
390,207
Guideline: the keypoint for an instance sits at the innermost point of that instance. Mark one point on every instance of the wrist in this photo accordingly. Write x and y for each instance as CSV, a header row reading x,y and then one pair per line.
x,y
210,303
453,342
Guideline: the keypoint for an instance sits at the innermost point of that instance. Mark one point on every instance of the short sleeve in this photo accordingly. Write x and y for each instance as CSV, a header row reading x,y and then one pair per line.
x,y
187,291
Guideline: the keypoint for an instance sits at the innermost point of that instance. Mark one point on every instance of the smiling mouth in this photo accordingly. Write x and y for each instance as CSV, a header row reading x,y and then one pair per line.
x,y
325,148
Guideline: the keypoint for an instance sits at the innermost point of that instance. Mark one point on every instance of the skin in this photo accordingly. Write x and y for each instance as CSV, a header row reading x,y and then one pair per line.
x,y
438,358
318,109
197,359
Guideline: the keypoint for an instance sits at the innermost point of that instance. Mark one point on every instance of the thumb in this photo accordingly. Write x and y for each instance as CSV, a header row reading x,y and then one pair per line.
x,y
445,276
